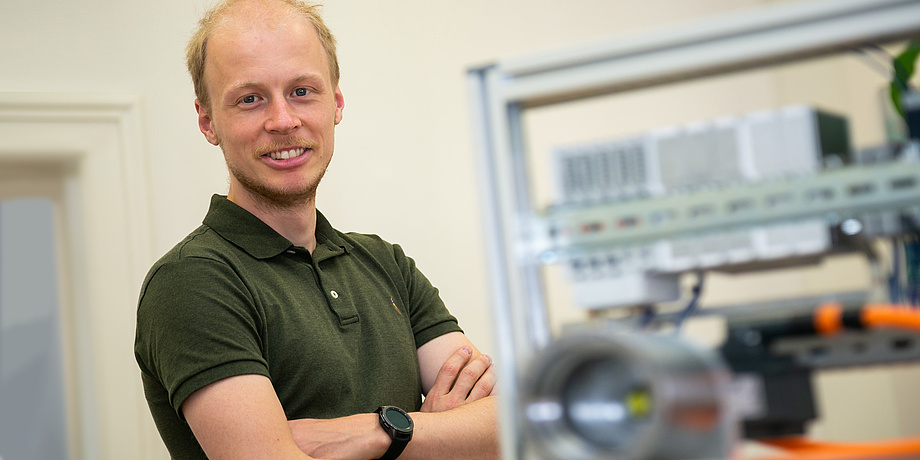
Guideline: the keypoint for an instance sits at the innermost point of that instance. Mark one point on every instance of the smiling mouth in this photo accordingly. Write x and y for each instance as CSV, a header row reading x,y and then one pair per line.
x,y
286,154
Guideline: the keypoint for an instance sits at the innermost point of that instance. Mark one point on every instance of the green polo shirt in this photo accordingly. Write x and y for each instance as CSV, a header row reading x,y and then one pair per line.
x,y
336,331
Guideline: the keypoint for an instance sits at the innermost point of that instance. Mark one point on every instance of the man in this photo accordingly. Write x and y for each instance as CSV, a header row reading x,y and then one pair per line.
x,y
268,334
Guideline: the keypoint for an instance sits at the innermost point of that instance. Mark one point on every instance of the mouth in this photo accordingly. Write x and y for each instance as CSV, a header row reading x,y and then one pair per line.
x,y
286,154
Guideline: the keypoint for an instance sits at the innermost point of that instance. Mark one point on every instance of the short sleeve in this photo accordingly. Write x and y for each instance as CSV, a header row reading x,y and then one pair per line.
x,y
197,324
428,314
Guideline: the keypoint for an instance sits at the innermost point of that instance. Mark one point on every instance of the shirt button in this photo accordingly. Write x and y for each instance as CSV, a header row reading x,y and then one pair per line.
x,y
335,295
291,251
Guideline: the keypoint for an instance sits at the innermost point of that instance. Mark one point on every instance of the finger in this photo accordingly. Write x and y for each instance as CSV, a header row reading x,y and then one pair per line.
x,y
470,375
449,371
484,386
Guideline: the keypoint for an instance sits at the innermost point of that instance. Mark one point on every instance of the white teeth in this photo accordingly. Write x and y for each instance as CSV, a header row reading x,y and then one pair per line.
x,y
285,154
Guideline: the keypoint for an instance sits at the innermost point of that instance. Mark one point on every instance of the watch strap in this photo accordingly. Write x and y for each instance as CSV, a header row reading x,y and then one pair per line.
x,y
396,448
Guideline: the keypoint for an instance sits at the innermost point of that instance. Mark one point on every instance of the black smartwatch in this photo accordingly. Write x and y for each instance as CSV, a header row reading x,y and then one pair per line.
x,y
397,423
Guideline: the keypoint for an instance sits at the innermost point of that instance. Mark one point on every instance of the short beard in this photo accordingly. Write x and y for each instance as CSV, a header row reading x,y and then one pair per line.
x,y
275,199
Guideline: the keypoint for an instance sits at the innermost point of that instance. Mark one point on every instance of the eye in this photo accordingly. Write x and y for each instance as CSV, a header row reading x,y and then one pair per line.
x,y
301,92
249,99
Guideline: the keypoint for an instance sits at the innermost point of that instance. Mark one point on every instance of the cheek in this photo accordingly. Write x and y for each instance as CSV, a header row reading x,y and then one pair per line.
x,y
328,122
238,134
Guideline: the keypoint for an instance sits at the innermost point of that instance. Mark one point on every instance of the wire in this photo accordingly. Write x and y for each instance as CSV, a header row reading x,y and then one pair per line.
x,y
646,317
802,448
912,269
891,316
883,67
894,280
693,305
831,318
911,244
892,64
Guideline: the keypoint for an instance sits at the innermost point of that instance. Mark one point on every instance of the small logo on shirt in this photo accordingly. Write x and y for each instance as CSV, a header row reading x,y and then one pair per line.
x,y
393,303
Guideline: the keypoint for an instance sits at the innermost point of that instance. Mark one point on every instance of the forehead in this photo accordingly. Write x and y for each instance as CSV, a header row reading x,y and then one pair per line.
x,y
258,39
254,13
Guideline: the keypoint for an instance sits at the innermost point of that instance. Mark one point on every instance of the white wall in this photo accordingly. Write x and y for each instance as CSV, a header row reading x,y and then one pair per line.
x,y
404,165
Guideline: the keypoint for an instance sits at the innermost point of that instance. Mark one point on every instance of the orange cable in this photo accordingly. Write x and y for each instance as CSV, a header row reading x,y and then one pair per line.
x,y
828,317
893,316
828,320
799,448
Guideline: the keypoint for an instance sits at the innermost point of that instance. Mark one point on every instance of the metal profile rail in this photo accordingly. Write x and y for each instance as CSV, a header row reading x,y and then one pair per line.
x,y
741,41
844,192
501,92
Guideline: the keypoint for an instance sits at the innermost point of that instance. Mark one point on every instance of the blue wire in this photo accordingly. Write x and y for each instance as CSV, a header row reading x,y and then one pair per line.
x,y
894,280
646,318
693,305
912,262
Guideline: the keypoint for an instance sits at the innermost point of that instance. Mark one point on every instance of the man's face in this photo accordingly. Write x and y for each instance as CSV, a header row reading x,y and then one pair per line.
x,y
273,109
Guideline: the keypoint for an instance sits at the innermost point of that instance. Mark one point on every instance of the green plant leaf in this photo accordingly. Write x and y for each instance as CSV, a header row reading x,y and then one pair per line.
x,y
904,65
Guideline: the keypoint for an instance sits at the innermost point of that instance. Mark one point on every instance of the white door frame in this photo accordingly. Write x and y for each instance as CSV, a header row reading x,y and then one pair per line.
x,y
86,153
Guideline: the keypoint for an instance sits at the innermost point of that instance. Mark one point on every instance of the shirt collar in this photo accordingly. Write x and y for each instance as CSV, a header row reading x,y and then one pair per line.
x,y
247,231
329,241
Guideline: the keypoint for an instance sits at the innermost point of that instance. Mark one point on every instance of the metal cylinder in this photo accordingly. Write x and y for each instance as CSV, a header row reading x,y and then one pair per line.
x,y
611,393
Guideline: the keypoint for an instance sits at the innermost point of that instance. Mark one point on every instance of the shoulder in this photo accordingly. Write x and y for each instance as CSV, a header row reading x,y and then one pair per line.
x,y
367,241
203,242
198,256
375,247
364,244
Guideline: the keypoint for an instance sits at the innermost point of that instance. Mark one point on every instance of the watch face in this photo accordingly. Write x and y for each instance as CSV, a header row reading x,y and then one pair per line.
x,y
398,419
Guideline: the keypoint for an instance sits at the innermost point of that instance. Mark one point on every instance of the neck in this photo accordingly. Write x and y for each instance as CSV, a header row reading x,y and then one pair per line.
x,y
296,222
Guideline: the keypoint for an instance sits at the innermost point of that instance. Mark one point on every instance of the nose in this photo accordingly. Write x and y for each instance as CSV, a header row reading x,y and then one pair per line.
x,y
282,119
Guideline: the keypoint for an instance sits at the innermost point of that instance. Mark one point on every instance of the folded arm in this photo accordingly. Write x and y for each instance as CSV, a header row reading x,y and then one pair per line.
x,y
241,417
457,420
459,416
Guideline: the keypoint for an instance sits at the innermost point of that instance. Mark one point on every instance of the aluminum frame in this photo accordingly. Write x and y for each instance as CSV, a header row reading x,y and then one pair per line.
x,y
501,92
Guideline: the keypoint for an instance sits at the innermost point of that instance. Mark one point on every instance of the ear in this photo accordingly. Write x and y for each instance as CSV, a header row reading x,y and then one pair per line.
x,y
205,124
339,104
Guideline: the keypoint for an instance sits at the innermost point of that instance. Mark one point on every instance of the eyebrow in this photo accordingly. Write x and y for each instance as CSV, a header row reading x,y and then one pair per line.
x,y
311,78
315,79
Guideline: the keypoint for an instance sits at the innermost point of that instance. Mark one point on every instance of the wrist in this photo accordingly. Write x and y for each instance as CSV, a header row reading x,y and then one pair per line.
x,y
379,439
398,426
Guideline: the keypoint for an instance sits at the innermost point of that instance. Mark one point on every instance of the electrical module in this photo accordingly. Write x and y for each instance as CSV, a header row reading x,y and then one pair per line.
x,y
721,155
731,150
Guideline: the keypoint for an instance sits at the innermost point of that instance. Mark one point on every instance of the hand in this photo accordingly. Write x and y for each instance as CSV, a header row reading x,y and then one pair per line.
x,y
462,379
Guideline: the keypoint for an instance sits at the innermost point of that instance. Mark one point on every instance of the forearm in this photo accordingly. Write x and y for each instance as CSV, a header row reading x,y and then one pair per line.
x,y
458,420
240,418
357,437
469,431
465,432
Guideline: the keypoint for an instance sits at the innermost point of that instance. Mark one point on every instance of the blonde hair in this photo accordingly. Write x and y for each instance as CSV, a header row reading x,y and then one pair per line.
x,y
197,49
